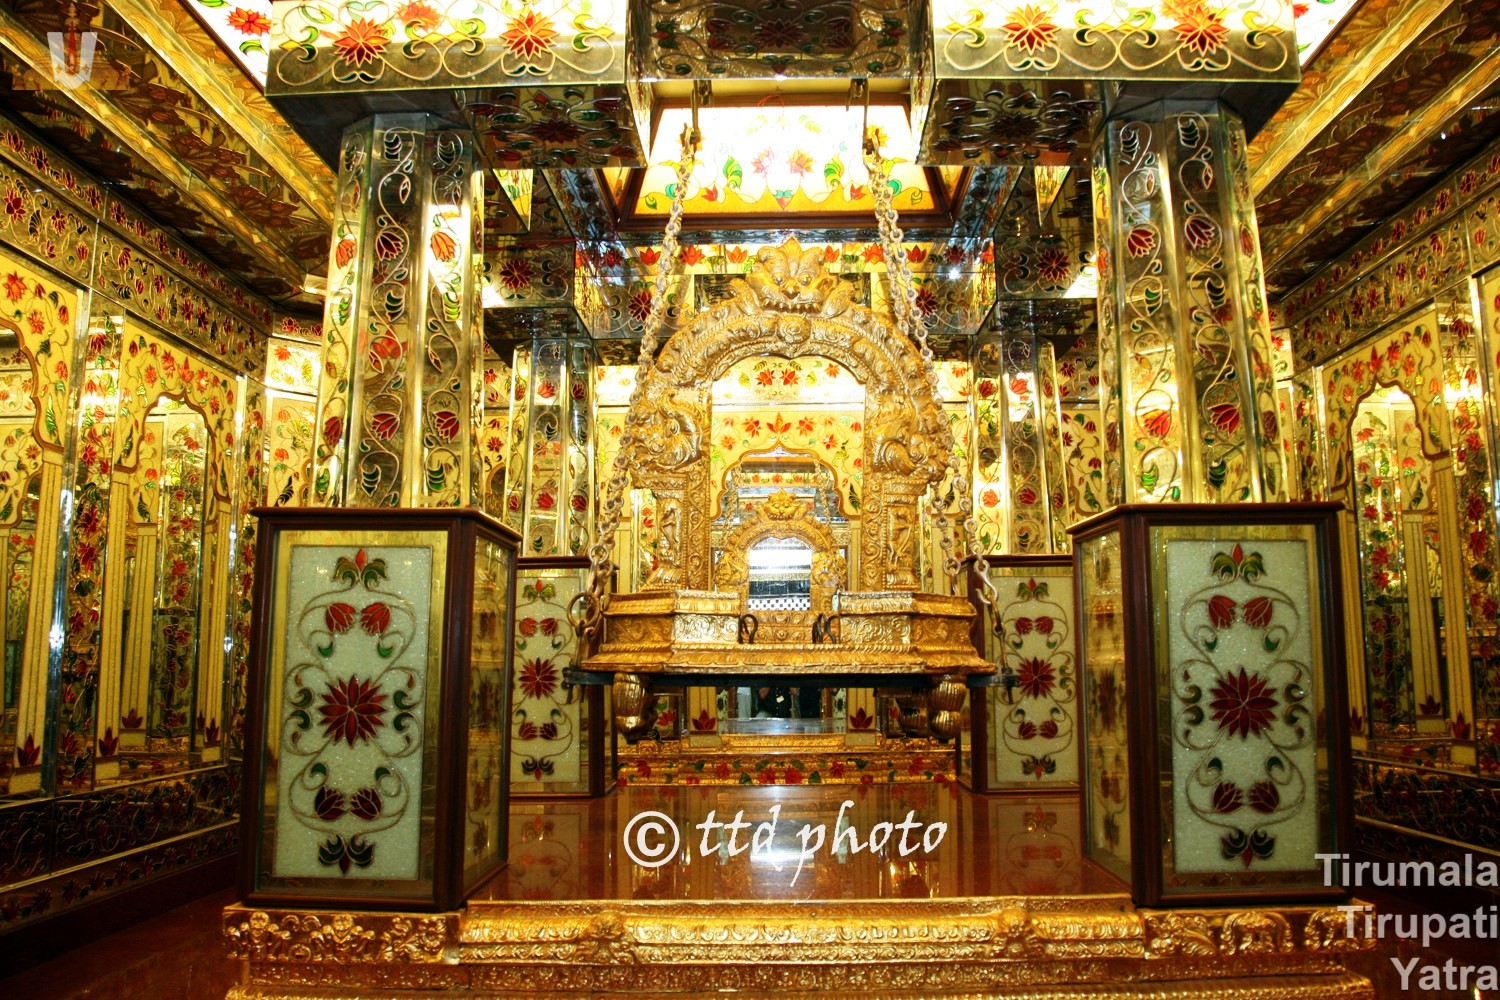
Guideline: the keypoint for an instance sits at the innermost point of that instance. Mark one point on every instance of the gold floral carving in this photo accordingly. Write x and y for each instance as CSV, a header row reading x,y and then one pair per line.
x,y
262,936
791,306
1053,946
1249,932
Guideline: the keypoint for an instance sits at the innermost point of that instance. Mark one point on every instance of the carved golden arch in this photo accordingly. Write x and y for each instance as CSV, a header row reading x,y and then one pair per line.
x,y
782,515
789,306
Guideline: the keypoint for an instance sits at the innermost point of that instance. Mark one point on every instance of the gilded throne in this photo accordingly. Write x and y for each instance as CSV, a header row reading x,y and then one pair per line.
x,y
687,624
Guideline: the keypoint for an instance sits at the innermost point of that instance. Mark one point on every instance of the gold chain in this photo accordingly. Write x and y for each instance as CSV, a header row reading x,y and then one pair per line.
x,y
595,596
908,319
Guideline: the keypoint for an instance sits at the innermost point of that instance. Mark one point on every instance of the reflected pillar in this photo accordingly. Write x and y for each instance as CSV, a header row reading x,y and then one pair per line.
x,y
1019,485
549,487
400,400
1188,391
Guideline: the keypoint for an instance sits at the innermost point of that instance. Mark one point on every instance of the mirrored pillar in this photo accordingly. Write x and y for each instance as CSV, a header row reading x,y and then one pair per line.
x,y
1189,398
400,401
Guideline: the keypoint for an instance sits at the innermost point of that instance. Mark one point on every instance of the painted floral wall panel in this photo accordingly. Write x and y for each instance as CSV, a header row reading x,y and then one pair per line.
x,y
835,437
636,541
43,311
782,160
1078,375
289,446
351,715
15,391
548,738
773,381
243,27
1035,728
1386,484
292,365
1242,630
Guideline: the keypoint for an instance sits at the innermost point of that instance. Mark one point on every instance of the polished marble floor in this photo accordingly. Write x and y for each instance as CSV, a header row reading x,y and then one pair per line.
x,y
575,849
648,843
179,955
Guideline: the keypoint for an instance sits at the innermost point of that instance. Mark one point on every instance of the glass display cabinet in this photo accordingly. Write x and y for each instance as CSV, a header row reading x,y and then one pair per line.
x,y
1211,654
377,745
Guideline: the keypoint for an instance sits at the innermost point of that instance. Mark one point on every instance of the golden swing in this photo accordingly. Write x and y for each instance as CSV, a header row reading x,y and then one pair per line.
x,y
690,623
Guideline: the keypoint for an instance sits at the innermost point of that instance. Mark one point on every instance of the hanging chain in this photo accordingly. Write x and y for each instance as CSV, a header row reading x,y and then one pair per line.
x,y
908,319
595,597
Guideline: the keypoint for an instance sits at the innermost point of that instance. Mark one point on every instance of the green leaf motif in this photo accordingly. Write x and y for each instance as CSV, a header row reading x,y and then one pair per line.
x,y
833,173
734,174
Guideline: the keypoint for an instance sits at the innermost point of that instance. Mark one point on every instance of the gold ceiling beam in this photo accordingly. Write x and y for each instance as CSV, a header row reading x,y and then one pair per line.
x,y
16,38
1417,131
1377,35
176,35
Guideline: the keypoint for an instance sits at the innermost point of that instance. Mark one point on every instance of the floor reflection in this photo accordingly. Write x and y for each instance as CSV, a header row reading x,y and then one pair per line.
x,y
888,842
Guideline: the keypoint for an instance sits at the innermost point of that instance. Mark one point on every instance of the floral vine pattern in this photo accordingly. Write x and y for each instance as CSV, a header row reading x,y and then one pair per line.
x,y
1032,642
1135,279
547,720
1244,752
1387,484
289,450
415,259
457,43
549,487
489,657
1439,238
1189,402
1188,40
1462,349
354,713
989,123
1083,462
1213,310
1018,479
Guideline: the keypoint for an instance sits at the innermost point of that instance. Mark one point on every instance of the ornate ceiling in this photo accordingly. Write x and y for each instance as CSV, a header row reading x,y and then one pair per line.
x,y
1394,96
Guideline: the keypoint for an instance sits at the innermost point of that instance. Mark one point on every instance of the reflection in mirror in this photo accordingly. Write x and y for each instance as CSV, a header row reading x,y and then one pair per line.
x,y
1399,531
17,554
781,709
780,575
177,567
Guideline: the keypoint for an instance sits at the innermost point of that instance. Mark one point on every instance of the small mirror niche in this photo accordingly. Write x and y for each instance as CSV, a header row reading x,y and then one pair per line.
x,y
780,575
17,563
1402,592
176,618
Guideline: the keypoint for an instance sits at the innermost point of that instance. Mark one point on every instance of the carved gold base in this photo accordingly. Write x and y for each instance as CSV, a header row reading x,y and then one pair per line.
x,y
791,759
1080,946
676,635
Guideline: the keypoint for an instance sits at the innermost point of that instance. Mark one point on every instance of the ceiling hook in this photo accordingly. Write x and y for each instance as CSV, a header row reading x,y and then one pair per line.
x,y
702,96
